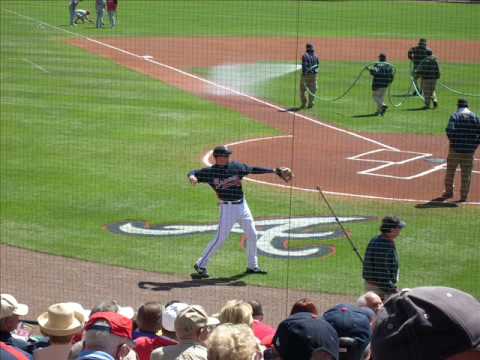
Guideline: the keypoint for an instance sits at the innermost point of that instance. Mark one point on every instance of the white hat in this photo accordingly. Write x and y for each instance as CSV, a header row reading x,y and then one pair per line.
x,y
170,314
126,311
10,307
60,320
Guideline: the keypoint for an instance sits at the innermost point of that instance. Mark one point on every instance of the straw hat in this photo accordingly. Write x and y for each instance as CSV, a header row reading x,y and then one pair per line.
x,y
59,320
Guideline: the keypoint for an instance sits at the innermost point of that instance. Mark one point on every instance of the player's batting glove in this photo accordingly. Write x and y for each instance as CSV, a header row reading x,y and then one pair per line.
x,y
284,173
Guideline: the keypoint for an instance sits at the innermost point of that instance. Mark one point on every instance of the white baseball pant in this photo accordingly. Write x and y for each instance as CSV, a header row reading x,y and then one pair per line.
x,y
230,214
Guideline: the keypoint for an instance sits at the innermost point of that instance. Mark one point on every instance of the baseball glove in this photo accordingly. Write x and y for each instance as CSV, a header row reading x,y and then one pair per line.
x,y
284,173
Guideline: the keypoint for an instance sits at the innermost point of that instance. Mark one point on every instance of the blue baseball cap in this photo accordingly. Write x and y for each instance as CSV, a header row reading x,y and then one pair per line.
x,y
301,334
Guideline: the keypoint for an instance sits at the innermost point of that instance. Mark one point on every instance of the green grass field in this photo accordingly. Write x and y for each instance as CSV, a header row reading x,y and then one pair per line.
x,y
86,142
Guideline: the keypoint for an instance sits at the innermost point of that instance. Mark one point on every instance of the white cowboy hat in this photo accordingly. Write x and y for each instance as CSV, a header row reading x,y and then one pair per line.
x,y
59,320
10,306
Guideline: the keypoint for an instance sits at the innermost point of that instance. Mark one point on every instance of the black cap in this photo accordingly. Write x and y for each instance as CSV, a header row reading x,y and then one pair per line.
x,y
422,41
301,334
426,323
462,103
221,150
390,223
310,46
382,56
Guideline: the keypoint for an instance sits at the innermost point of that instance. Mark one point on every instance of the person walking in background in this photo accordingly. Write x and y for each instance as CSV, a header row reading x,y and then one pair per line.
x,y
383,74
100,7
112,12
381,262
463,132
417,54
71,9
308,80
429,71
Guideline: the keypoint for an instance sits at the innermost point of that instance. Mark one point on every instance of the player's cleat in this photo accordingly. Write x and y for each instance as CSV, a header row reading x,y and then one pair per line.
x,y
202,272
435,104
383,110
256,271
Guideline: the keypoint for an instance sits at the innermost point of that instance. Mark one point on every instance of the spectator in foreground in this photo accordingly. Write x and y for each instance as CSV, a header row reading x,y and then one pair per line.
x,y
192,326
353,328
370,300
169,316
10,313
304,305
428,323
108,337
303,336
236,312
60,323
233,342
262,331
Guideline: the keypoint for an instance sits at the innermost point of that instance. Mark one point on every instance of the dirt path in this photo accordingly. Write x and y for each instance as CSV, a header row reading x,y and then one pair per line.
x,y
399,167
40,280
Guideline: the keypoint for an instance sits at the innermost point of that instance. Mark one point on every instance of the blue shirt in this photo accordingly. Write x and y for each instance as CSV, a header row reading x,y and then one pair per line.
x,y
94,355
463,131
309,63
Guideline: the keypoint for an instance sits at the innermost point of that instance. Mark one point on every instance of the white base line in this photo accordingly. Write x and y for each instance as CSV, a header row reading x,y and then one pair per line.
x,y
36,66
148,59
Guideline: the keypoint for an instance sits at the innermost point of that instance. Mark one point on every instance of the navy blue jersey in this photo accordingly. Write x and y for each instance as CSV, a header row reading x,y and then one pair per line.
x,y
381,264
226,181
463,131
309,63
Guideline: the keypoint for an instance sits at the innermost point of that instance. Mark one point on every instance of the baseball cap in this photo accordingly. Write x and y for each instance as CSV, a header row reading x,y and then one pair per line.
x,y
302,333
170,314
426,323
194,317
352,322
462,103
392,222
221,151
10,306
119,324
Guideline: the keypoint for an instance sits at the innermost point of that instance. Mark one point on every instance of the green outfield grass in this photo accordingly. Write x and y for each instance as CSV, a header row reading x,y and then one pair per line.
x,y
85,142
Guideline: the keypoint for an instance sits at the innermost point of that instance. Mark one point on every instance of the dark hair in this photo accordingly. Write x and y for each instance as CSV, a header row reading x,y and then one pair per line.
x,y
304,305
257,309
149,316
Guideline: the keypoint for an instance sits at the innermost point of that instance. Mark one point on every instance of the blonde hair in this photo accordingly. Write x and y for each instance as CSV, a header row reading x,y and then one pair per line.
x,y
232,342
236,312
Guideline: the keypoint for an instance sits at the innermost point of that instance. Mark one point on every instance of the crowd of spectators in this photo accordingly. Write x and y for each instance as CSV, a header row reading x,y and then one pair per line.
x,y
420,323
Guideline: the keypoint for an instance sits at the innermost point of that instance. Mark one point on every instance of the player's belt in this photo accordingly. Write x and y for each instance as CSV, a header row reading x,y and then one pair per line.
x,y
235,202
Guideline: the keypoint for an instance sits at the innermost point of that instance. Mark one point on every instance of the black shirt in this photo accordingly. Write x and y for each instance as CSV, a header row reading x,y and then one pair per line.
x,y
226,180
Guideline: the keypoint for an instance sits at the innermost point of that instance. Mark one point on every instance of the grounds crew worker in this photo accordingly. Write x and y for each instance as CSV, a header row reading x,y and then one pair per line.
x,y
463,132
416,55
308,80
429,71
383,74
381,262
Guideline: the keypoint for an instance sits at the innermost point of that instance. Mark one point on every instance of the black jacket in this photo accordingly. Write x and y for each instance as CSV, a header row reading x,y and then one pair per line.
x,y
381,263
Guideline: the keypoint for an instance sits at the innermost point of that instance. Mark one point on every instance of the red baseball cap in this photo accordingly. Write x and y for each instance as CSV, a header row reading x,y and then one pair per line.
x,y
119,325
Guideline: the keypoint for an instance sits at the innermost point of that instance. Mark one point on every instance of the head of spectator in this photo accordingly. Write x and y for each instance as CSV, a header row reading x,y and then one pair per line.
x,y
370,300
236,312
113,306
60,322
233,342
303,335
353,328
257,310
304,305
10,313
193,323
427,323
169,315
391,227
107,332
149,318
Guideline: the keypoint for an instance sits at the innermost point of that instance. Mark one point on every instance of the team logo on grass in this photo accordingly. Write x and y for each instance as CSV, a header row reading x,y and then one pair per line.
x,y
291,237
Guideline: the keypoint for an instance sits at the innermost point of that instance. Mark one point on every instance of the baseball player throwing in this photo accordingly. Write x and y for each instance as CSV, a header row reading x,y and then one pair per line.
x,y
225,178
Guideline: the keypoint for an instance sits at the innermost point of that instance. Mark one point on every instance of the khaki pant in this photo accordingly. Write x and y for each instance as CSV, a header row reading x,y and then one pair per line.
x,y
379,97
466,165
428,88
309,82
